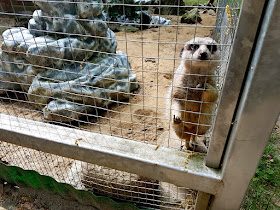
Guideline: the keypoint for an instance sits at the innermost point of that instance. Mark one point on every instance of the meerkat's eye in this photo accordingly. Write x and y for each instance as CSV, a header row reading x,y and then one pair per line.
x,y
212,48
193,47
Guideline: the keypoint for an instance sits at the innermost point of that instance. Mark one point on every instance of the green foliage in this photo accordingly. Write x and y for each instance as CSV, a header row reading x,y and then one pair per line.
x,y
195,2
265,186
28,178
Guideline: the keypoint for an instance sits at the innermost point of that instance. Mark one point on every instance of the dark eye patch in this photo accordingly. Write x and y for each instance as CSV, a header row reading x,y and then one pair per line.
x,y
212,48
193,47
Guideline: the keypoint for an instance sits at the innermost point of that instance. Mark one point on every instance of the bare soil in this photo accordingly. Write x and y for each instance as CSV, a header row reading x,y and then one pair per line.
x,y
15,198
152,54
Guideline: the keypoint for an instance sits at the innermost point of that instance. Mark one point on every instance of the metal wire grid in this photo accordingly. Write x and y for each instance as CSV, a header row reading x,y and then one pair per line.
x,y
143,121
145,118
116,184
225,36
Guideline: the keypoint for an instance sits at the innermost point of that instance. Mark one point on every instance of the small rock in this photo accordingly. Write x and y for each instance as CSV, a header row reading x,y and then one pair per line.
x,y
160,128
211,12
158,20
167,76
150,60
191,17
204,11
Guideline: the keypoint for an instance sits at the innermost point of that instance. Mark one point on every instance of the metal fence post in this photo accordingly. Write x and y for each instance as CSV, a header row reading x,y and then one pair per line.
x,y
256,115
241,50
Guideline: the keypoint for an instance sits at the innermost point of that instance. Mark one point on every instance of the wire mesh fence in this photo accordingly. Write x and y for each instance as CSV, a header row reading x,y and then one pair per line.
x,y
79,79
102,181
124,68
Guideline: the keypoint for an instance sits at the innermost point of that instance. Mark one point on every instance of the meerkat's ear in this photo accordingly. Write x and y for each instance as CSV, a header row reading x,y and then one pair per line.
x,y
182,51
185,47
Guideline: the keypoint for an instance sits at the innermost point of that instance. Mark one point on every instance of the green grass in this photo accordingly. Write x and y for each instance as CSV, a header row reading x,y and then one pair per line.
x,y
195,2
264,190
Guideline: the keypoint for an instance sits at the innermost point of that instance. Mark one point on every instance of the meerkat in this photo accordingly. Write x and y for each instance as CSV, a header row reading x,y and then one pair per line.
x,y
193,92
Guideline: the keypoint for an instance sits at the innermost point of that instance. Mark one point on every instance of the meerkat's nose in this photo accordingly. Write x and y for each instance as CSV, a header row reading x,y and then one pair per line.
x,y
203,55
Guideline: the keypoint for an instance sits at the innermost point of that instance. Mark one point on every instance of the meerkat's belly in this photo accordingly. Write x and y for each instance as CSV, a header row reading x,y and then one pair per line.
x,y
190,111
197,111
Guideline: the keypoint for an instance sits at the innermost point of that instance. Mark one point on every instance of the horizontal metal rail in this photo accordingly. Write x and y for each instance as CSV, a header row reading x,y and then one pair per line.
x,y
155,162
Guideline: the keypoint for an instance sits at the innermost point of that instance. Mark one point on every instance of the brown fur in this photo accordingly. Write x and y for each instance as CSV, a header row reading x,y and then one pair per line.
x,y
190,92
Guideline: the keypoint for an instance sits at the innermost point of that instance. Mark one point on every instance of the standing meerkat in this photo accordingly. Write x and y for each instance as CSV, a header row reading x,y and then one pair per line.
x,y
193,92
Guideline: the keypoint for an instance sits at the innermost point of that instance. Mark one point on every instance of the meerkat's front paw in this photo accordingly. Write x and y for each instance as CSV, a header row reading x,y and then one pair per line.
x,y
199,85
177,118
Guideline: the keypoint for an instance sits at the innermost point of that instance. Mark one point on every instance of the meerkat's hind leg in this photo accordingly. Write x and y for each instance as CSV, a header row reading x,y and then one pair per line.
x,y
188,141
196,144
200,146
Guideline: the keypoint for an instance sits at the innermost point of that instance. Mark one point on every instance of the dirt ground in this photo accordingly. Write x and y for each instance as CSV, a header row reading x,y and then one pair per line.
x,y
151,54
144,118
15,198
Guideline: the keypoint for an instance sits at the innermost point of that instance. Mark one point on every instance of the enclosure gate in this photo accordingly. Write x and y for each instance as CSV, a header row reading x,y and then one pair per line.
x,y
247,112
